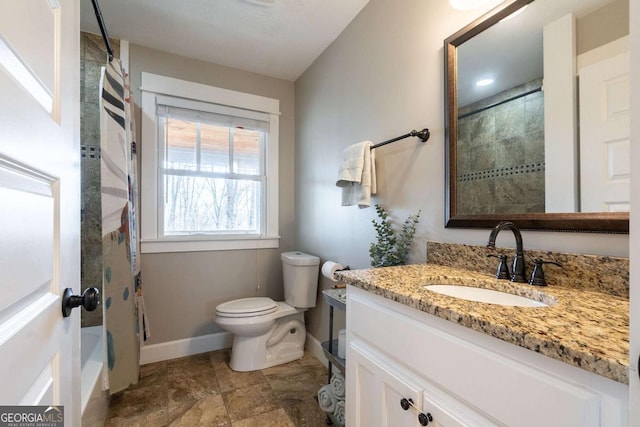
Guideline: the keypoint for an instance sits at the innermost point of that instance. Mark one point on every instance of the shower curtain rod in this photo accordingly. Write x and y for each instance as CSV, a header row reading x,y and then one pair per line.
x,y
103,29
504,101
422,134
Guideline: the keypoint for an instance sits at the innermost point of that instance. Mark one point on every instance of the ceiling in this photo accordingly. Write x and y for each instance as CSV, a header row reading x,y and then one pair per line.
x,y
511,52
277,38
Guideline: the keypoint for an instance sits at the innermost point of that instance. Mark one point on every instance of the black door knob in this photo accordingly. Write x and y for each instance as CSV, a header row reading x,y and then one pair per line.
x,y
89,300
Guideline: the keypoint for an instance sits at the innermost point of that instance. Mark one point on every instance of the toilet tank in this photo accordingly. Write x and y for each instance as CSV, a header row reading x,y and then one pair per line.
x,y
300,274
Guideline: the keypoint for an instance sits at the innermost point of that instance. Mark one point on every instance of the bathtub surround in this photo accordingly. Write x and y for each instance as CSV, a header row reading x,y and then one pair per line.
x,y
94,400
501,153
92,58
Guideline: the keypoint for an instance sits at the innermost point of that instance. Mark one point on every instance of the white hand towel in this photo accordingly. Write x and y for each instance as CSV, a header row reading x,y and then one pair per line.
x,y
337,385
326,399
339,414
357,175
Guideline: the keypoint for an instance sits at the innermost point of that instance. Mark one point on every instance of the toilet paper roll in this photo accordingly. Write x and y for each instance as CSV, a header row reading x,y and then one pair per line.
x,y
342,343
329,269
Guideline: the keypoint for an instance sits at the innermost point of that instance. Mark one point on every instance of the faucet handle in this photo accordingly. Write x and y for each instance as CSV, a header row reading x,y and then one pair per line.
x,y
503,268
537,275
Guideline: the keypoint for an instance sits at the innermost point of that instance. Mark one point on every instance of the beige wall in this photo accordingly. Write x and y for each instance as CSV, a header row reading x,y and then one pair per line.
x,y
381,78
181,290
602,26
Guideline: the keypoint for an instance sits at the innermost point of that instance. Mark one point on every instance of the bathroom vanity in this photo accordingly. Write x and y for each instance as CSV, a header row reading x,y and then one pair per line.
x,y
453,362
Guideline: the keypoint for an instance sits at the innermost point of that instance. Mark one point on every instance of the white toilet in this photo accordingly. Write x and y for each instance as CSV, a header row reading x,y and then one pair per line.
x,y
266,332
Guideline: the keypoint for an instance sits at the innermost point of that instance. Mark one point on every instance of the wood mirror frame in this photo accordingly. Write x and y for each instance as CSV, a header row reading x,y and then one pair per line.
x,y
605,222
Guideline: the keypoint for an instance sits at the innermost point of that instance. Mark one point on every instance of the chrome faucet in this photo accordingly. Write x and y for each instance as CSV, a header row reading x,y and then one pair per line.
x,y
518,268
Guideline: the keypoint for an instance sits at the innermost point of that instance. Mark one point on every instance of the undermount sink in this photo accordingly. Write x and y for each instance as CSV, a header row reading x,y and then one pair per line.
x,y
489,296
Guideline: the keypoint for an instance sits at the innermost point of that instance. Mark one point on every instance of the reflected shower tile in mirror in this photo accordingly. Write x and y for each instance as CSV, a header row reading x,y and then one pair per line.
x,y
482,128
463,196
464,133
534,147
482,197
510,152
511,190
509,120
483,158
534,112
463,162
511,209
535,208
534,190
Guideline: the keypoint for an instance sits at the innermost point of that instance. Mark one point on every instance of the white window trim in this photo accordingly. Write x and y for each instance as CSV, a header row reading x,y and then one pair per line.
x,y
154,86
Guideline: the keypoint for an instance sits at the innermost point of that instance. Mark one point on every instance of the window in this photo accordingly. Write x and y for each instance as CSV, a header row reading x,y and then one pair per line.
x,y
209,168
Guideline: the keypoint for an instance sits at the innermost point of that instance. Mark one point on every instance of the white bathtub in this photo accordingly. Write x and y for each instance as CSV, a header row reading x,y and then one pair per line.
x,y
95,401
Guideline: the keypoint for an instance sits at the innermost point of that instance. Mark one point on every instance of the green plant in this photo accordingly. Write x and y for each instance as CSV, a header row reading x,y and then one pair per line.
x,y
391,248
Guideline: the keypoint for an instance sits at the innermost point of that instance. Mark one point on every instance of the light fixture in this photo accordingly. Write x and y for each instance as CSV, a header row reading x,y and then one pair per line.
x,y
484,82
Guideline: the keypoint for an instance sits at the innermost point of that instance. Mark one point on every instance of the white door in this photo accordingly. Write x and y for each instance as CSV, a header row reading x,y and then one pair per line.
x,y
605,135
39,203
634,236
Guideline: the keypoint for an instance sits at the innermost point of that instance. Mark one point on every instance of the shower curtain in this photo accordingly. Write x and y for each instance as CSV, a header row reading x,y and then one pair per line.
x,y
122,293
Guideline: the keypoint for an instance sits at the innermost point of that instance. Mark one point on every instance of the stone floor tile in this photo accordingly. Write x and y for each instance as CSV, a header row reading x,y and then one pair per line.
x,y
156,418
293,388
209,411
191,386
202,390
306,413
190,365
277,418
231,380
290,368
250,401
138,401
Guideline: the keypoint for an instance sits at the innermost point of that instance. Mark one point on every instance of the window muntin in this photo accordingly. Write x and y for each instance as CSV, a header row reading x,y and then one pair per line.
x,y
212,175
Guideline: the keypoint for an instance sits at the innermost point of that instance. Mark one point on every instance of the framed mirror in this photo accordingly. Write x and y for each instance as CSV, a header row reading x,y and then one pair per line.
x,y
537,117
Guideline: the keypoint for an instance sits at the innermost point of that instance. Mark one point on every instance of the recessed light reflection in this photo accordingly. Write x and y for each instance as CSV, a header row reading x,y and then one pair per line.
x,y
484,82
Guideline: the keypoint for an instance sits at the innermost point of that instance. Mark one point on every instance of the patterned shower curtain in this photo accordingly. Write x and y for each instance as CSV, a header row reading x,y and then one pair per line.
x,y
121,267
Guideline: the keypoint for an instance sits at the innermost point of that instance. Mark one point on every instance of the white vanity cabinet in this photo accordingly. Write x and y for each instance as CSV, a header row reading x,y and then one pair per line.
x,y
380,386
461,377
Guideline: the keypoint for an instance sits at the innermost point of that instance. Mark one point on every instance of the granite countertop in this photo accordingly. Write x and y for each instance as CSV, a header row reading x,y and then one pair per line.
x,y
585,328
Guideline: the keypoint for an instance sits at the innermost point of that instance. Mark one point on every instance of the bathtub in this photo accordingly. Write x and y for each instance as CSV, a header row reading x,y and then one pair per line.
x,y
94,400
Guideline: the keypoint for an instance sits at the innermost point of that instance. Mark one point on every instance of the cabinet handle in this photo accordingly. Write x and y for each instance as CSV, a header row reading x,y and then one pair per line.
x,y
406,403
423,418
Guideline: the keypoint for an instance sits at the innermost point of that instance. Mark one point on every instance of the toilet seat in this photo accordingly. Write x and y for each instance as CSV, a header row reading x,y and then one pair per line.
x,y
247,307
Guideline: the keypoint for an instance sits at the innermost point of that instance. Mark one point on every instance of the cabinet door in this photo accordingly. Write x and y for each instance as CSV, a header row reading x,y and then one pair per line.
x,y
445,411
379,387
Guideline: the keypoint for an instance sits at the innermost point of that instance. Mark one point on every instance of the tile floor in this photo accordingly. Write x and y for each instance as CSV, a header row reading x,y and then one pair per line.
x,y
202,390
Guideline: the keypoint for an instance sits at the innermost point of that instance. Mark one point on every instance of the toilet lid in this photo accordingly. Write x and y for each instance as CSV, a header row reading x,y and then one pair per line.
x,y
246,307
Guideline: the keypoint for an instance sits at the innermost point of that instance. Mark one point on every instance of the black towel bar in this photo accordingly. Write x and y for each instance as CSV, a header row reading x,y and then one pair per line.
x,y
422,134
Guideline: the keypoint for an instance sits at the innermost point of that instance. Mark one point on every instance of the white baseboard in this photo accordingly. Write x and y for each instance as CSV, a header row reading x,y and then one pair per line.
x,y
186,347
313,346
